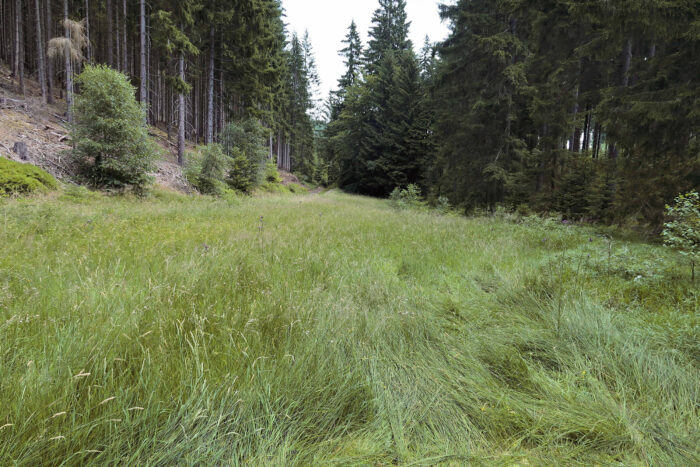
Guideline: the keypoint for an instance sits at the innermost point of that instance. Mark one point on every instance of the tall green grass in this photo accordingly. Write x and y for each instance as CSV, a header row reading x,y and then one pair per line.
x,y
334,330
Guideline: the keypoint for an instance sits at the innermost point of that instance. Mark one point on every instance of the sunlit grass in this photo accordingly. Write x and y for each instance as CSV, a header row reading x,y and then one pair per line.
x,y
332,329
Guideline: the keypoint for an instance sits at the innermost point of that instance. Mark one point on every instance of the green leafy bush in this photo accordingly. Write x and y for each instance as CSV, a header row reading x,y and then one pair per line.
x,y
212,170
683,231
243,174
408,198
248,138
296,188
112,146
272,175
18,178
443,205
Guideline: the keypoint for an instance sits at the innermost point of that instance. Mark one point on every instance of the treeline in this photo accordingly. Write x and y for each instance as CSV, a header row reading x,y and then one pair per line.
x,y
590,108
197,64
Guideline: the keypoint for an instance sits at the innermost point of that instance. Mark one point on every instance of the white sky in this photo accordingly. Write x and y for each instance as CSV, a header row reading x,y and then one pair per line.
x,y
327,22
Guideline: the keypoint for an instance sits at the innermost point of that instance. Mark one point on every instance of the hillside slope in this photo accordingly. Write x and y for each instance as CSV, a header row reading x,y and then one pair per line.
x,y
333,330
44,131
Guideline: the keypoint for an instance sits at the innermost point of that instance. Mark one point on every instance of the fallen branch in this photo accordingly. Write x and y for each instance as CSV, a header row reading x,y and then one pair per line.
x,y
60,118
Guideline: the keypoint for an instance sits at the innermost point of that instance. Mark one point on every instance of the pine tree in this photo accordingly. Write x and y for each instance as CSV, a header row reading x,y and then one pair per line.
x,y
389,32
379,137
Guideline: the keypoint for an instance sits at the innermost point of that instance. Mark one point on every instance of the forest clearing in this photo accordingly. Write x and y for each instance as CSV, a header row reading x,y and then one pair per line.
x,y
333,329
372,233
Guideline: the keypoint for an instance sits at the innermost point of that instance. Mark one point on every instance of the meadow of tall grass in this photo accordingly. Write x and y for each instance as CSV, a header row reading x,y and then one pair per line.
x,y
330,329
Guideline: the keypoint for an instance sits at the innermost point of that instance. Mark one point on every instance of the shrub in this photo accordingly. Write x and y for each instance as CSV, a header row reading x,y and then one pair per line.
x,y
212,170
683,231
272,175
18,178
243,174
112,146
443,205
250,139
408,198
296,188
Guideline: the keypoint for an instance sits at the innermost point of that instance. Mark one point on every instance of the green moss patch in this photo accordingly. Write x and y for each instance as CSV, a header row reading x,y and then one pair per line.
x,y
17,178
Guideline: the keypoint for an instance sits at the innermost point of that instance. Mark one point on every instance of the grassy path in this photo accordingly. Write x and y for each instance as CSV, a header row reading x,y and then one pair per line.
x,y
329,329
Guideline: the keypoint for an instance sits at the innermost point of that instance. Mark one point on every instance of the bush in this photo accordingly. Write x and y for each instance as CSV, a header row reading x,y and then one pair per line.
x,y
296,188
272,175
18,178
210,180
112,146
250,139
683,231
243,174
409,198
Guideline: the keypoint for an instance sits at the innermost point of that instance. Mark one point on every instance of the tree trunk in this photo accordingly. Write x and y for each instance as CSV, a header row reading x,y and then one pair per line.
x,y
626,63
40,53
69,69
15,42
222,111
19,46
625,81
117,42
49,63
210,91
587,129
181,113
125,60
142,38
87,30
110,36
279,149
147,84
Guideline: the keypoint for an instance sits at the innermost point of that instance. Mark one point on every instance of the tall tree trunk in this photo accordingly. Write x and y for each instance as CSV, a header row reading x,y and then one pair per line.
x,y
279,149
142,39
210,91
49,63
195,110
587,130
625,81
40,53
118,41
110,37
87,31
125,60
69,68
181,112
15,40
222,112
3,32
576,134
148,70
626,63
19,46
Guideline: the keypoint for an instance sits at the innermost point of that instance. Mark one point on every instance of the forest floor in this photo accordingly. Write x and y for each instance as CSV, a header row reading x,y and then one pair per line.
x,y
330,329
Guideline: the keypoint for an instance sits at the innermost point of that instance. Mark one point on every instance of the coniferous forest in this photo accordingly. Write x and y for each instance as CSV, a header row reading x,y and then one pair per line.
x,y
197,65
589,108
